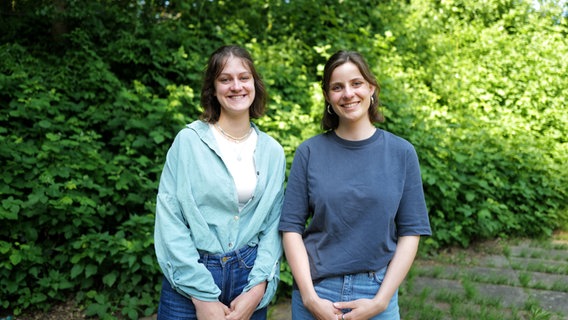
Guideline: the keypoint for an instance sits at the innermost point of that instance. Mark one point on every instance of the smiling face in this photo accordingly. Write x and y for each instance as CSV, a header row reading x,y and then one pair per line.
x,y
349,94
234,87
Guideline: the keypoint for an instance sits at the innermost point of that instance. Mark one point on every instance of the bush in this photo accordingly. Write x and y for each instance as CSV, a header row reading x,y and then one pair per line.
x,y
93,93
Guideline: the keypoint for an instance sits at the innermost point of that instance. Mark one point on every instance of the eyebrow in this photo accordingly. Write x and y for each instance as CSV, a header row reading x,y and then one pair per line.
x,y
350,80
230,74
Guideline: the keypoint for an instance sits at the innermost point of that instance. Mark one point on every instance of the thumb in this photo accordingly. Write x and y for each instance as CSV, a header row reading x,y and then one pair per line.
x,y
342,305
226,309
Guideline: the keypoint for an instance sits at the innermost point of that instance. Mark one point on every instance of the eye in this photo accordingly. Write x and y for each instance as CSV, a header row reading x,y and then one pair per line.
x,y
358,83
223,80
336,88
245,78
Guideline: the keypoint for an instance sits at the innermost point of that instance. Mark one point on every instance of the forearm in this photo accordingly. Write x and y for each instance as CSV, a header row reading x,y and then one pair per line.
x,y
297,258
398,268
177,255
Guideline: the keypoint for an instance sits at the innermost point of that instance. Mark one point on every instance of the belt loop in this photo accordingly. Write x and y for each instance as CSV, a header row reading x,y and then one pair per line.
x,y
242,251
238,254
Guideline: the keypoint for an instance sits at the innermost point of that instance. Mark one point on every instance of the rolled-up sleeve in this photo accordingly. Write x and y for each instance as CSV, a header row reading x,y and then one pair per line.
x,y
175,250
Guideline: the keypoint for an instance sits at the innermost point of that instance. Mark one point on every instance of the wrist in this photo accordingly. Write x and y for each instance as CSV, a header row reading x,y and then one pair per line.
x,y
380,303
309,298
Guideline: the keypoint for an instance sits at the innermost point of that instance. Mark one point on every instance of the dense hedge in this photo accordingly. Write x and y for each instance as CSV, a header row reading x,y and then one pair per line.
x,y
92,94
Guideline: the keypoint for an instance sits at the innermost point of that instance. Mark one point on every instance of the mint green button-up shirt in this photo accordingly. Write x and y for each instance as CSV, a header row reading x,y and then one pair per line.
x,y
197,211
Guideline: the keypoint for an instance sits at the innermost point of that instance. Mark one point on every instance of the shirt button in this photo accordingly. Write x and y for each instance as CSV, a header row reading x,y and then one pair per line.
x,y
230,244
236,218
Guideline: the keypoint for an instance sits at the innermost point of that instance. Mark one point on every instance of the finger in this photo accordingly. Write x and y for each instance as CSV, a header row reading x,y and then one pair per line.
x,y
226,310
341,305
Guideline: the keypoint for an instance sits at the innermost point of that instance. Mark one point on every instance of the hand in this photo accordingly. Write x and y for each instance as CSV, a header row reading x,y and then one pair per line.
x,y
245,304
361,309
322,309
210,310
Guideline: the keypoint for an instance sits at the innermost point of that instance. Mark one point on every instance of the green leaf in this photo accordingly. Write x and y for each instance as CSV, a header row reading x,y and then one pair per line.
x,y
44,124
148,260
90,270
15,258
110,278
96,309
77,270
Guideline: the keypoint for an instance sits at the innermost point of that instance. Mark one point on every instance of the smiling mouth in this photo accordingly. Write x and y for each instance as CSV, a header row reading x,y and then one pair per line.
x,y
350,105
238,97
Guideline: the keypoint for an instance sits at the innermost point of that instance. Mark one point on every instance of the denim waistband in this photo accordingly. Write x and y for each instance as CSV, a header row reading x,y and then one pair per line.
x,y
224,258
364,273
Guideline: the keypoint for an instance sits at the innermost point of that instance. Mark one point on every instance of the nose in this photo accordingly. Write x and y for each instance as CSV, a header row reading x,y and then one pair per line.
x,y
348,92
236,85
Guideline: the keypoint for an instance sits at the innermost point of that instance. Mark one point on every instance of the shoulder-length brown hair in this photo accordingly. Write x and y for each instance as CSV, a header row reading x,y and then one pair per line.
x,y
217,61
330,121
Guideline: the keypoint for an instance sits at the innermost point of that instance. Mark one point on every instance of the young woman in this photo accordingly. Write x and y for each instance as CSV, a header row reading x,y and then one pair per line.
x,y
219,202
362,188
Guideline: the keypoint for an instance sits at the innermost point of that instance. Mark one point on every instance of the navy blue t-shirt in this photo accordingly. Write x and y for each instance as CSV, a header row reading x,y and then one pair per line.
x,y
361,195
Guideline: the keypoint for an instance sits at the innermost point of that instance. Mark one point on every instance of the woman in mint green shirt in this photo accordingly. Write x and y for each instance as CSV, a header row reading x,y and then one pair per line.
x,y
219,201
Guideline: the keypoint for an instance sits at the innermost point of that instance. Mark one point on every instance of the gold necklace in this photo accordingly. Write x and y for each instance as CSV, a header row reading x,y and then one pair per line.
x,y
232,138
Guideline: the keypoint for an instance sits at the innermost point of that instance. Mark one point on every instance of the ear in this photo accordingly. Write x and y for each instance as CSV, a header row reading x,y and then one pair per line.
x,y
325,97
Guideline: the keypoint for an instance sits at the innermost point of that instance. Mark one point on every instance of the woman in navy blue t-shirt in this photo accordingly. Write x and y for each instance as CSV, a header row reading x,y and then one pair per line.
x,y
362,189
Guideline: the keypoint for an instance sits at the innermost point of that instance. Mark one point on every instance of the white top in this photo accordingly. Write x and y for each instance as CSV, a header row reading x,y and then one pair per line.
x,y
239,159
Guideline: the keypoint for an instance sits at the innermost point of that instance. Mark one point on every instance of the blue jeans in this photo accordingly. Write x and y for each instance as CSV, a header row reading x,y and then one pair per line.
x,y
347,288
230,272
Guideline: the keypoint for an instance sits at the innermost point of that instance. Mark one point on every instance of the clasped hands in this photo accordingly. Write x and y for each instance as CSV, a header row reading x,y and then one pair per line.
x,y
360,309
242,308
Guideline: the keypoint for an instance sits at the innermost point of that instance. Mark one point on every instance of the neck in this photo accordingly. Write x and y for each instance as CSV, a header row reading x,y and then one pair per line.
x,y
236,127
355,132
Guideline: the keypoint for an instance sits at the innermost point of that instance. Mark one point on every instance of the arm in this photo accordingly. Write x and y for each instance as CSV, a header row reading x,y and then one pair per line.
x,y
175,249
292,224
397,270
245,304
266,268
210,309
297,258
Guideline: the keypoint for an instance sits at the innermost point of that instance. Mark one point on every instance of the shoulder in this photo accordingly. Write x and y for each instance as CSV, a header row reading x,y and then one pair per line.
x,y
193,130
399,147
197,126
189,135
394,141
268,142
315,142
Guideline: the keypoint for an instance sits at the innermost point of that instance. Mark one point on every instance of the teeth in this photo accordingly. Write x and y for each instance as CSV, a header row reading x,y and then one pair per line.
x,y
350,105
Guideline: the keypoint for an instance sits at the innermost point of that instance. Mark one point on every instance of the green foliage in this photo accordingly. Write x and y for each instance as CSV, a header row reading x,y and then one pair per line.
x,y
495,165
92,94
82,146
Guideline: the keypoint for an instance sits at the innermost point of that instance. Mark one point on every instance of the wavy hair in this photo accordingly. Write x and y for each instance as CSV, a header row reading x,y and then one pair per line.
x,y
217,61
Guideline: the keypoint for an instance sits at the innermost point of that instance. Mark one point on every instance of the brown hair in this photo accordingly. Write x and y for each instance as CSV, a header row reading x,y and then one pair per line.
x,y
331,121
217,61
